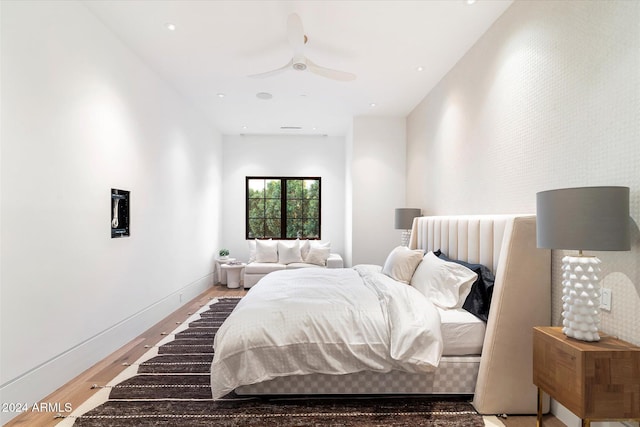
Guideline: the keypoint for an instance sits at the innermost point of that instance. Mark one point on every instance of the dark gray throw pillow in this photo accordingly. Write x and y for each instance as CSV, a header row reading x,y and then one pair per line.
x,y
478,301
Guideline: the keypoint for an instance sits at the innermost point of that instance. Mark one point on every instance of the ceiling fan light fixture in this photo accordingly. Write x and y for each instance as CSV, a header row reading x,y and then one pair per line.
x,y
299,66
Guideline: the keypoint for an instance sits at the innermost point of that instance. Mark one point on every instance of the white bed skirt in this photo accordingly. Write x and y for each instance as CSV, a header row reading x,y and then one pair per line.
x,y
454,375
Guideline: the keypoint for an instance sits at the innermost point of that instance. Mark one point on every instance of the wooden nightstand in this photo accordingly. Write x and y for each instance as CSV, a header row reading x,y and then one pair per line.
x,y
594,380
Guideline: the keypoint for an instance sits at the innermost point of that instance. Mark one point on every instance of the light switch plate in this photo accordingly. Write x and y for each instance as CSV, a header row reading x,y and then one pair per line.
x,y
605,299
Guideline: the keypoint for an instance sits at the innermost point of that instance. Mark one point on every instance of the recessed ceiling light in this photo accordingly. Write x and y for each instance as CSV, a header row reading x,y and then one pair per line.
x,y
244,127
221,95
471,1
169,26
420,68
373,104
264,95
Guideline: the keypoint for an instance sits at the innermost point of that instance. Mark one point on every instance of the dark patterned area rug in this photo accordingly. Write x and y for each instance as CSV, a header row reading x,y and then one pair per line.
x,y
173,389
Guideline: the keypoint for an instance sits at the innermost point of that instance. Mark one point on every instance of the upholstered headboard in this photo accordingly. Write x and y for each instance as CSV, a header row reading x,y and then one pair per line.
x,y
521,298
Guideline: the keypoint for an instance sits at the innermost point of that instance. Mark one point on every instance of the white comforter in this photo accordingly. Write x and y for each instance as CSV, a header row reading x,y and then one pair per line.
x,y
331,321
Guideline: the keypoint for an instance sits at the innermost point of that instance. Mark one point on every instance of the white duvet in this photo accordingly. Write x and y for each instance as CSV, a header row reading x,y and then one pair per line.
x,y
330,321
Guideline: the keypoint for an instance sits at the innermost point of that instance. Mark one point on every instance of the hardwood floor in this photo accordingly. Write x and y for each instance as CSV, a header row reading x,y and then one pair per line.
x,y
530,421
78,390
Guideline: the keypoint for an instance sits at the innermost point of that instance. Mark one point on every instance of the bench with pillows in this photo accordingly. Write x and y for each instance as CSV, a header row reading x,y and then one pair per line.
x,y
266,256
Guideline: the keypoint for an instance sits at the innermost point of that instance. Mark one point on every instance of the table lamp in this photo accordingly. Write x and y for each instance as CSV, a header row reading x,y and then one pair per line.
x,y
584,218
404,222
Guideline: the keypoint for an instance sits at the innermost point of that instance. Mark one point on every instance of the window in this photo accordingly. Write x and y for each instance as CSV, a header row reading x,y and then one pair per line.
x,y
283,208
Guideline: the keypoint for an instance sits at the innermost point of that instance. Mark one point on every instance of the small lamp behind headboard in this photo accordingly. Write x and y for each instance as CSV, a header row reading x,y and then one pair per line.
x,y
404,222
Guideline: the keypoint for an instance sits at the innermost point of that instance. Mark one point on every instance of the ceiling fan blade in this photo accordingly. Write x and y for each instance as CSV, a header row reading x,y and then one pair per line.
x,y
295,33
329,73
273,72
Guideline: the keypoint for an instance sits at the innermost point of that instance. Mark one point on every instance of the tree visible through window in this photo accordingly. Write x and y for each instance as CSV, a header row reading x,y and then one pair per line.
x,y
283,208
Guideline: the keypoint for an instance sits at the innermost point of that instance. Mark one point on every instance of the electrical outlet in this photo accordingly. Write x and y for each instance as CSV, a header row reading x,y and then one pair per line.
x,y
605,299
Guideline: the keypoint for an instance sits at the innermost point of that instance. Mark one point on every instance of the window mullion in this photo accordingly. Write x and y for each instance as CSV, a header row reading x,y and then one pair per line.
x,y
283,209
264,209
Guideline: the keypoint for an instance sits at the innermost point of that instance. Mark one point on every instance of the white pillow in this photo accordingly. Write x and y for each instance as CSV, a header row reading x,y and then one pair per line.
x,y
306,245
317,256
446,284
288,252
401,263
266,251
252,250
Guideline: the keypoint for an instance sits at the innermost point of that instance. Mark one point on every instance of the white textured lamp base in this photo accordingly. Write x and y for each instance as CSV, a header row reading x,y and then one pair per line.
x,y
406,235
581,297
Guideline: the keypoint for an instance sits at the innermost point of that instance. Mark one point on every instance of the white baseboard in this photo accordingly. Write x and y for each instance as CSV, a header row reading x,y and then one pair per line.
x,y
31,387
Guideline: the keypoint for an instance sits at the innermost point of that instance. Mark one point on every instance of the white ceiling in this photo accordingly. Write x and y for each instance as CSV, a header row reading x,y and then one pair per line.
x,y
217,44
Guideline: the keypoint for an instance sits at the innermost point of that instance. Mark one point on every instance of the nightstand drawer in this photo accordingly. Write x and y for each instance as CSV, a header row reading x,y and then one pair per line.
x,y
557,370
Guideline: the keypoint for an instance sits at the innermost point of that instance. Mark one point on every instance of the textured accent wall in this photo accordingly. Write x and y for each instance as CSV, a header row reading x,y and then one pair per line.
x,y
548,98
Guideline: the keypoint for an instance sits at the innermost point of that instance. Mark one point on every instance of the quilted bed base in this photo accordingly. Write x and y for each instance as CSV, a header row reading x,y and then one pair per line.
x,y
455,375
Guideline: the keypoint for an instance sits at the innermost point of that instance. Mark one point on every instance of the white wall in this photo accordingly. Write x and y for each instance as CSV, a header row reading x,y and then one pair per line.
x,y
81,114
282,155
548,98
363,182
377,174
348,199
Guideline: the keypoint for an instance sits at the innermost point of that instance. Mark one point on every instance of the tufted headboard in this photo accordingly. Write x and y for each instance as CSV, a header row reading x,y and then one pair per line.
x,y
521,298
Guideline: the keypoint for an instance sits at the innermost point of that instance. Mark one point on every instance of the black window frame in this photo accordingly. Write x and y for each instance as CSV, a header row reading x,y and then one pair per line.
x,y
283,206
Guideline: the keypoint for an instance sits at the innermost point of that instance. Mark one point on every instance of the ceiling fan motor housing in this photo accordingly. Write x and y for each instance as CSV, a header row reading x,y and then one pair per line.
x,y
300,66
299,63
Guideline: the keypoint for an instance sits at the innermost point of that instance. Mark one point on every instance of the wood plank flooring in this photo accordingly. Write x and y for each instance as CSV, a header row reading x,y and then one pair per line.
x,y
78,390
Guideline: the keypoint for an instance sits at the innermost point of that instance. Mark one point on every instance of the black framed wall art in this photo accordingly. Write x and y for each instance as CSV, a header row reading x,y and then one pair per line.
x,y
119,213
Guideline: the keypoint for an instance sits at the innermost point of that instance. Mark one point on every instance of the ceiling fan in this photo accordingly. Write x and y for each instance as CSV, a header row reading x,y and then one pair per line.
x,y
299,62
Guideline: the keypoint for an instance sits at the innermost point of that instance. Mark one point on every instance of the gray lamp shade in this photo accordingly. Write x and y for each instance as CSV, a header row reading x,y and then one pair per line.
x,y
585,218
404,218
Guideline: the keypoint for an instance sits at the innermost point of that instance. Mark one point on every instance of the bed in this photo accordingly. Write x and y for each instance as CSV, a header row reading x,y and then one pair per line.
x,y
493,363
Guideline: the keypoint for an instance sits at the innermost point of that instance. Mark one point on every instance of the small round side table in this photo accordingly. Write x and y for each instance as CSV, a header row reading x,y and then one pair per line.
x,y
222,275
233,274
